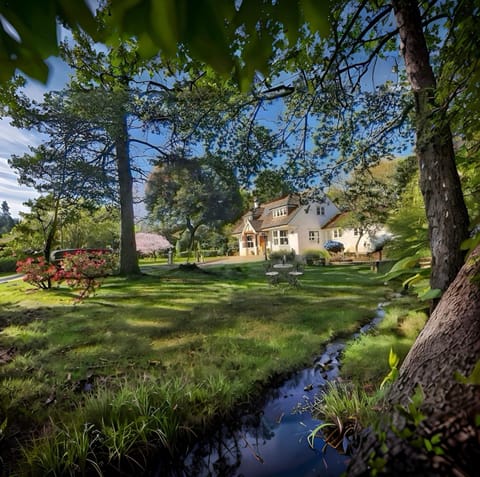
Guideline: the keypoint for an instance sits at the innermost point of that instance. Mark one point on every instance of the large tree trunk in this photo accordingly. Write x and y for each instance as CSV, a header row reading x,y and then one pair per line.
x,y
446,349
439,182
128,249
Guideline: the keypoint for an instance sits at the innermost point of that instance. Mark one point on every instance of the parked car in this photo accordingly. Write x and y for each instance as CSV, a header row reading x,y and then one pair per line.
x,y
333,246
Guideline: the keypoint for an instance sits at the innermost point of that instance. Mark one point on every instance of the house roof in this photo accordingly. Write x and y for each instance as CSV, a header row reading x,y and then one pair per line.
x,y
339,220
262,218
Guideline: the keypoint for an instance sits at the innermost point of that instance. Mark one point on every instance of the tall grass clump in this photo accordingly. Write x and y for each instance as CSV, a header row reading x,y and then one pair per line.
x,y
118,428
345,410
62,452
121,428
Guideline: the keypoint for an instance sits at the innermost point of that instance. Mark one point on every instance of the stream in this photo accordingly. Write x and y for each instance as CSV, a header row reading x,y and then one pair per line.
x,y
273,441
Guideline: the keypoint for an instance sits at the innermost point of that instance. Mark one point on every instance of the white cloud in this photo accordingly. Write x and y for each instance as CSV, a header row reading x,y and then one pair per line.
x,y
14,141
11,191
17,141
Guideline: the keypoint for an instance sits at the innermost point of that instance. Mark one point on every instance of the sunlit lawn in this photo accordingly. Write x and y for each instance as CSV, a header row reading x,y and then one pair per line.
x,y
225,325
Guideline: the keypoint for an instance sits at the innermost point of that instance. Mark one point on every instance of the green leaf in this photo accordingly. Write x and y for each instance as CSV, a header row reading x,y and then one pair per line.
x,y
317,13
404,264
78,13
473,378
165,24
289,16
430,294
35,24
411,280
389,378
471,243
393,359
313,434
209,39
418,397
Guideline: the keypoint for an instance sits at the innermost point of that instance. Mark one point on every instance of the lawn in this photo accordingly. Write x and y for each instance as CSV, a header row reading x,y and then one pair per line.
x,y
197,343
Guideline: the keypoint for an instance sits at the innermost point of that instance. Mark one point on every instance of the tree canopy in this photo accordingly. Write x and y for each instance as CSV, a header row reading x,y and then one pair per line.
x,y
6,221
189,193
234,37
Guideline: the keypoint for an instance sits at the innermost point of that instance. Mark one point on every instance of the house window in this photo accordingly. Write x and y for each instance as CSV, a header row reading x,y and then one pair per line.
x,y
337,233
356,231
320,210
280,212
250,243
280,237
313,236
283,237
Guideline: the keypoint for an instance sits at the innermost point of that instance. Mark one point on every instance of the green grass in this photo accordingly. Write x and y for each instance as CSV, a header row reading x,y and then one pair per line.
x,y
365,361
356,402
344,409
203,342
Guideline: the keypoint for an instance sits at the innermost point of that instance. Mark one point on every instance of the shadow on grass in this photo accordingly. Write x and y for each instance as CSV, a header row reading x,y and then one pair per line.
x,y
228,323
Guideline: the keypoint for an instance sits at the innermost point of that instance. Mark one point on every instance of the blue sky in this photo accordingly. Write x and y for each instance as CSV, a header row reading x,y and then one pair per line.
x,y
16,141
13,141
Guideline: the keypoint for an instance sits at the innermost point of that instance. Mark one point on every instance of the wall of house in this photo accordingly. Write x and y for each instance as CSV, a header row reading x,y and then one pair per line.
x,y
293,241
242,242
308,220
281,247
349,240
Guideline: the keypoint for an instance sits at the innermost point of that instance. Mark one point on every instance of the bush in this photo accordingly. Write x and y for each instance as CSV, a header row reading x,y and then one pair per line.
x,y
278,256
312,256
37,271
7,264
80,269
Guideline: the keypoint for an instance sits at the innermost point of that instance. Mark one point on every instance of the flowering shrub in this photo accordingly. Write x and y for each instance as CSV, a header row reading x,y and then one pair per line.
x,y
37,271
83,269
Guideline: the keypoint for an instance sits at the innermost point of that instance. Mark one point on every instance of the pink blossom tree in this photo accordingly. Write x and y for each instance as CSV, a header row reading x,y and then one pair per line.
x,y
150,244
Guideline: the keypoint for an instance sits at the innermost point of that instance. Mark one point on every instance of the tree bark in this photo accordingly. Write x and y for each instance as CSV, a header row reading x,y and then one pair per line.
x,y
447,347
439,181
128,250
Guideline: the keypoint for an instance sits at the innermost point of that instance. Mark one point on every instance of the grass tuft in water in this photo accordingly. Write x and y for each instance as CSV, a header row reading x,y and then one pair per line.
x,y
345,410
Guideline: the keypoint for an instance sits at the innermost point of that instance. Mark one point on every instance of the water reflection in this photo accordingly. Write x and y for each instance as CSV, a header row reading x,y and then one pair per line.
x,y
272,442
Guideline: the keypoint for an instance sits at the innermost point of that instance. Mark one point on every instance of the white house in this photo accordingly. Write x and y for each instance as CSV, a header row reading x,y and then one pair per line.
x,y
286,224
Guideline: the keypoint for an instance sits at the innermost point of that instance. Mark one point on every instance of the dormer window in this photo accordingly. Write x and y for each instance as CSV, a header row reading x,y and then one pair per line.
x,y
280,212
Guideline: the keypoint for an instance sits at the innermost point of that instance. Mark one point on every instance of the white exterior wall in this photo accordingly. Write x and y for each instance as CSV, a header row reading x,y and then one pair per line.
x,y
243,249
349,240
307,220
293,241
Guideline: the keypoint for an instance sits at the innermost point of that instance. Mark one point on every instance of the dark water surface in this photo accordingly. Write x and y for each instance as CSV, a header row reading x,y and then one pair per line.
x,y
273,441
